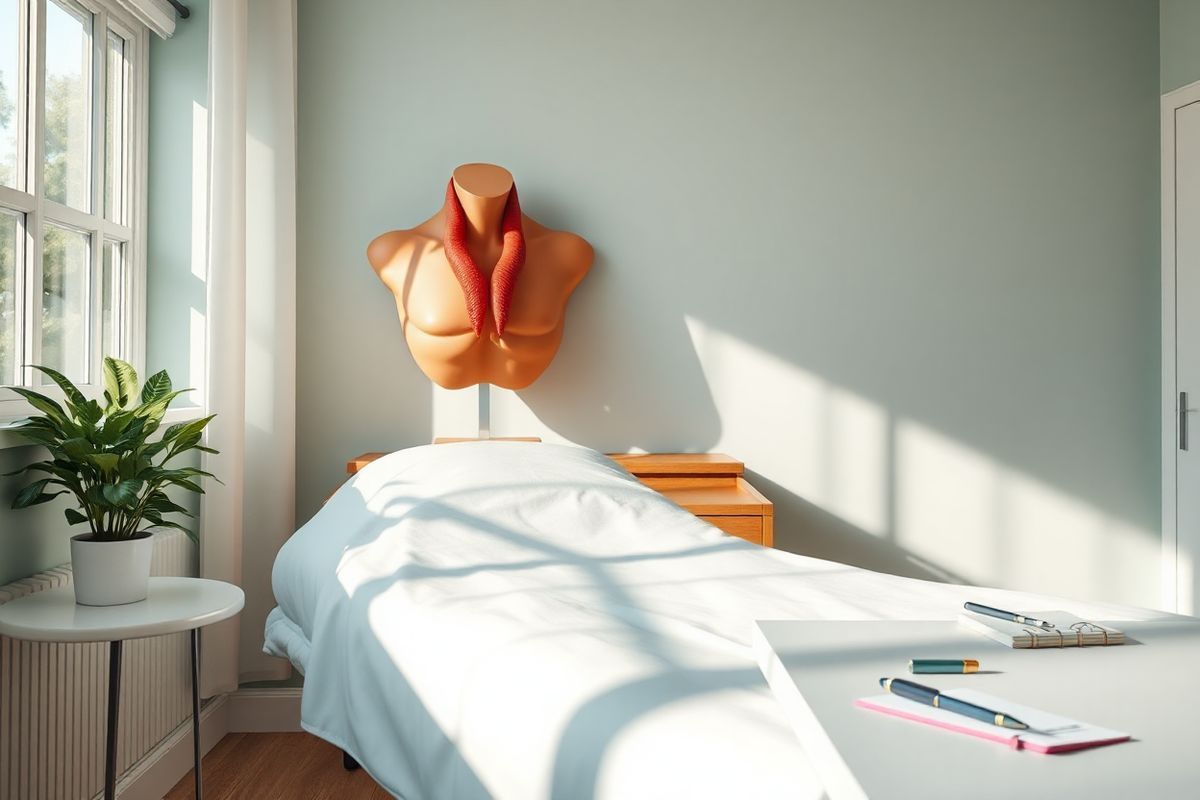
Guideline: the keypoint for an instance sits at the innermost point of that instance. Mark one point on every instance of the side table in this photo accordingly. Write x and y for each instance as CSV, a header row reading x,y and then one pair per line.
x,y
172,606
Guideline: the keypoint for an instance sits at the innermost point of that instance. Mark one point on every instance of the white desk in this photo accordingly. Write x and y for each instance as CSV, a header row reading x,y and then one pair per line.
x,y
1148,687
173,605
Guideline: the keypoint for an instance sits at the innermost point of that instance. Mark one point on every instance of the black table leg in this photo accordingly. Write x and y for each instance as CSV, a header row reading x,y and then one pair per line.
x,y
196,709
110,739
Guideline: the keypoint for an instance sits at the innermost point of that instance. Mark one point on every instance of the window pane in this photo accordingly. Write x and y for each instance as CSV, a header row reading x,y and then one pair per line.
x,y
10,109
65,291
110,277
68,105
115,136
10,263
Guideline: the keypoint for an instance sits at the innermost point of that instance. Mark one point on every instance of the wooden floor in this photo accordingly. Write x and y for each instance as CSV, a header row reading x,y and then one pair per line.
x,y
278,766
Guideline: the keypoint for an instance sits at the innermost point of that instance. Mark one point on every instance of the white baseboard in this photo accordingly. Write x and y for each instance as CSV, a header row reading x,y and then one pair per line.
x,y
264,710
161,768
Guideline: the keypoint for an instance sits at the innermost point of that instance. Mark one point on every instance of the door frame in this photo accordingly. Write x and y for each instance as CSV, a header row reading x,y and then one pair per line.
x,y
1171,103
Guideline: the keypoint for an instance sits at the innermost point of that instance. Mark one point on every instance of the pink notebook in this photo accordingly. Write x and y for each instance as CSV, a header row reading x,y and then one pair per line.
x,y
1048,733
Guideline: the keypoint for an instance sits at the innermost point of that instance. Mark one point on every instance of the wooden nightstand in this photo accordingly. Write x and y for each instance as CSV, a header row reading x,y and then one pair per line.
x,y
710,485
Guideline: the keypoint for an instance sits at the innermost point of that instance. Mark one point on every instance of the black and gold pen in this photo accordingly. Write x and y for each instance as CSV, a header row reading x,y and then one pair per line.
x,y
932,697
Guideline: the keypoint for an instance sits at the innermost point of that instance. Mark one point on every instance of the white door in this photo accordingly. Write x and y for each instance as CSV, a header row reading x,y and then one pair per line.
x,y
1181,429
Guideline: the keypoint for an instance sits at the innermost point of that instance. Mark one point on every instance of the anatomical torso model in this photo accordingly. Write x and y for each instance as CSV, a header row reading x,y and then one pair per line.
x,y
481,288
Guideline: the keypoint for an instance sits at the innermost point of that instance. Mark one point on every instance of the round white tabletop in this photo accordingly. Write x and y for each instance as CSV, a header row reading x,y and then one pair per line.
x,y
173,605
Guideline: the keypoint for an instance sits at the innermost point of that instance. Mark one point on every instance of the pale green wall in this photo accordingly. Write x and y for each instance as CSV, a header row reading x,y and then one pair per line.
x,y
178,117
35,539
940,213
1179,22
32,539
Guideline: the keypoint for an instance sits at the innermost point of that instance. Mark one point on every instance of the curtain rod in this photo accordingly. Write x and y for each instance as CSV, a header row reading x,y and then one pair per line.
x,y
180,8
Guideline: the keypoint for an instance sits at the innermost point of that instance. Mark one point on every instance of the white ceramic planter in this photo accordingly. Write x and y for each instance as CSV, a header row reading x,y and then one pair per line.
x,y
111,573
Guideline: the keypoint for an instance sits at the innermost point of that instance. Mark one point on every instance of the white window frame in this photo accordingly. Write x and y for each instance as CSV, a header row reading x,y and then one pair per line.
x,y
129,301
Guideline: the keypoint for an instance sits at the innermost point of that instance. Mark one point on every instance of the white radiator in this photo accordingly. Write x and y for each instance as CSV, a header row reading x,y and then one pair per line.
x,y
52,696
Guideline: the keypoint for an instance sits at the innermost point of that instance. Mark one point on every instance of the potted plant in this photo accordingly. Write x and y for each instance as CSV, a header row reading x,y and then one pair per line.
x,y
109,458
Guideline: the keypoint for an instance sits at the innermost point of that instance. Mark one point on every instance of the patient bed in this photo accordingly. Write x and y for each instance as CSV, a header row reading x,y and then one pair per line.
x,y
519,620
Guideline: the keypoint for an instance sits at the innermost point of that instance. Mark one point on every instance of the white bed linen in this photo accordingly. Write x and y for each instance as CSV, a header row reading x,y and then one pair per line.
x,y
527,621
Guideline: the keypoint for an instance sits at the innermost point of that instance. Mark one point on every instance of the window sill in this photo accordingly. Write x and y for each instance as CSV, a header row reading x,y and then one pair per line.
x,y
10,438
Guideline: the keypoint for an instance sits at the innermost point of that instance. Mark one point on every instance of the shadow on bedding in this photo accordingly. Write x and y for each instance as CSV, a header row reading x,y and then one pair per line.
x,y
584,743
590,731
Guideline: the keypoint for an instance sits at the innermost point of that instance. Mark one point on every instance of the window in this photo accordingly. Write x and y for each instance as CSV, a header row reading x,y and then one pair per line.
x,y
72,156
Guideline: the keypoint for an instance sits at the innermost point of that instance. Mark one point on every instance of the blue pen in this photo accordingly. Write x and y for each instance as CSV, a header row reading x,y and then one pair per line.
x,y
932,697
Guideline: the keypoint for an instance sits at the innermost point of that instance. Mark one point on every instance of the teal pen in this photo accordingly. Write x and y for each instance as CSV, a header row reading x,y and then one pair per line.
x,y
942,666
1011,616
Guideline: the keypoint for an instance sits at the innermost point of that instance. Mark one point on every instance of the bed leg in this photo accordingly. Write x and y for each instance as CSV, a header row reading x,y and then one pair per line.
x,y
348,762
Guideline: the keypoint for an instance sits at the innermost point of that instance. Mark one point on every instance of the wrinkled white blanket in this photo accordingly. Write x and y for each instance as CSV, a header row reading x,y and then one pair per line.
x,y
527,621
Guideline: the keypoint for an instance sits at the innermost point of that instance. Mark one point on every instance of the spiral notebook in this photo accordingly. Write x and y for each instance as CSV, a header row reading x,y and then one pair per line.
x,y
1068,631
1049,733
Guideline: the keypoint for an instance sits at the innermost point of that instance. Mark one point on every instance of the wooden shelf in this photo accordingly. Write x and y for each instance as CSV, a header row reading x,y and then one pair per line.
x,y
360,461
709,485
646,465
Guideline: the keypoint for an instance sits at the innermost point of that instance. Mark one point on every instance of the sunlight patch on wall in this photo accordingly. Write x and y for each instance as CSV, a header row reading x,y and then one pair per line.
x,y
511,416
1185,578
857,455
823,442
199,191
956,509
948,507
991,524
454,412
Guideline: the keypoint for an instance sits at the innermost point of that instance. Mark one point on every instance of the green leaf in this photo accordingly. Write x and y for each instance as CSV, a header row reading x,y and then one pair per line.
x,y
116,426
187,428
78,448
94,494
40,430
106,462
44,424
73,395
89,413
34,494
43,404
152,449
160,504
74,517
185,483
132,465
120,382
184,472
157,407
58,469
156,386
123,494
182,444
